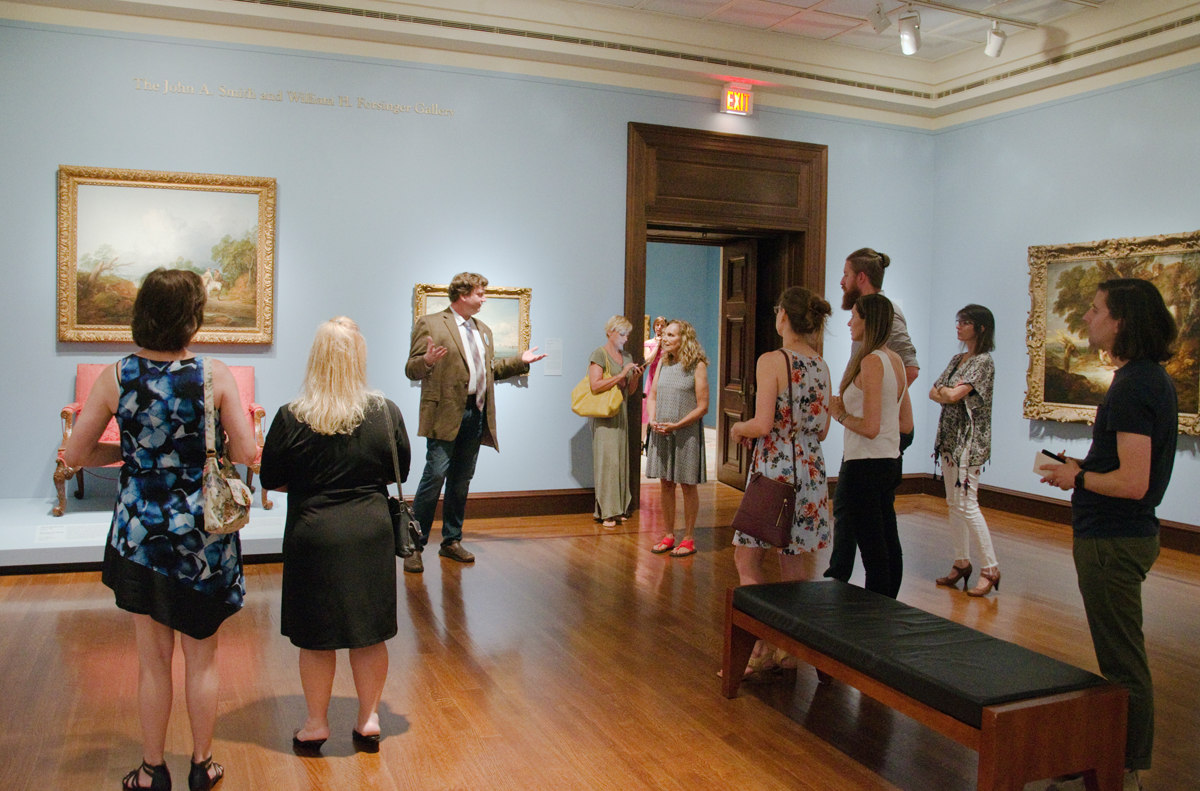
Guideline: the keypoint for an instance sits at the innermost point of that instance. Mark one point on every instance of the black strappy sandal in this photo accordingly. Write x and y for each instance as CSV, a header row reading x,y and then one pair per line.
x,y
198,778
160,778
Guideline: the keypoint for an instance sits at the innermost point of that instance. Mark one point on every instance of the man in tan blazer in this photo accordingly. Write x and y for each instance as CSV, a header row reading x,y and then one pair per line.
x,y
452,357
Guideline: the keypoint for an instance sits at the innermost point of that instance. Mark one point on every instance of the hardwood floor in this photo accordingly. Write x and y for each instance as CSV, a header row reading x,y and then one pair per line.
x,y
567,657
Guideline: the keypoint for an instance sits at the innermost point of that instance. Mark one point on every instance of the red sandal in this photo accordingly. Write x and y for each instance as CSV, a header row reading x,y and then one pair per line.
x,y
665,545
684,549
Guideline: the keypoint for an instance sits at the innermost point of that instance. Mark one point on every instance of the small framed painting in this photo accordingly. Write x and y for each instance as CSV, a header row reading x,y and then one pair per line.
x,y
506,313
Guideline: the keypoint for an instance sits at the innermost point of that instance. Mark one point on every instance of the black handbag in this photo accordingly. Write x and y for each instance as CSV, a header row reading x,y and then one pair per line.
x,y
404,522
769,506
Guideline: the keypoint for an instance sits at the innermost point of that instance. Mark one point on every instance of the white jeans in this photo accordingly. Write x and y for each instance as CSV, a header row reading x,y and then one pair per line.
x,y
962,495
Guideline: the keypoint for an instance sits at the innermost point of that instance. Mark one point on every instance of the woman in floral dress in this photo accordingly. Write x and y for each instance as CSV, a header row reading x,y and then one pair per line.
x,y
800,320
161,564
964,444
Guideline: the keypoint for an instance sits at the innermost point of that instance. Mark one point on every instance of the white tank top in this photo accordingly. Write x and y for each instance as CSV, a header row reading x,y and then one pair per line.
x,y
886,444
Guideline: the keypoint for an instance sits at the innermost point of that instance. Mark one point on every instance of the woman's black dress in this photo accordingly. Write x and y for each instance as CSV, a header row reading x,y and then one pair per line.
x,y
339,553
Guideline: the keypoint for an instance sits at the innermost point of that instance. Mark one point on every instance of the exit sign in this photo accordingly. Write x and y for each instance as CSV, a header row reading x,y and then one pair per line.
x,y
737,99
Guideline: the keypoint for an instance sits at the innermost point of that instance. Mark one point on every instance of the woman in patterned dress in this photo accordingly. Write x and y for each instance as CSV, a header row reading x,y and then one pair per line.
x,y
800,320
964,443
678,402
161,564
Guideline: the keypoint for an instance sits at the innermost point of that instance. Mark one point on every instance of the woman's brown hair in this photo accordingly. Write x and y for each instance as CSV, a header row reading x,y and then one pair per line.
x,y
168,310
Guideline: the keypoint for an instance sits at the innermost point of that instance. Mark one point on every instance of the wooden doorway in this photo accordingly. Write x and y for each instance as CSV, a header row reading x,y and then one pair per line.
x,y
763,200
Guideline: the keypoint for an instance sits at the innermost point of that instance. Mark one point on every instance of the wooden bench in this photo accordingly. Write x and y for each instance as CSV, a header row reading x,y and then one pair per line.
x,y
1028,716
85,377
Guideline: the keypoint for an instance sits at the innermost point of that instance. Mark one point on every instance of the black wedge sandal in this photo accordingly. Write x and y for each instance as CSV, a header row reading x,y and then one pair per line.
x,y
198,778
160,778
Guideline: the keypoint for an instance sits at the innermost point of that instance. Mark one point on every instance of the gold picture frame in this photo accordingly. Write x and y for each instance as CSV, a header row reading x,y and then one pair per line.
x,y
506,313
115,226
1066,379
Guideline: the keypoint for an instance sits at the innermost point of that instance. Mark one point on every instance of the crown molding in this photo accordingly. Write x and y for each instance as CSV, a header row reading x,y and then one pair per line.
x,y
554,37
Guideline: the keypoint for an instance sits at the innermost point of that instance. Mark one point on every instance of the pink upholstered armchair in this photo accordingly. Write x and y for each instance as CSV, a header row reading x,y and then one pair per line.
x,y
86,375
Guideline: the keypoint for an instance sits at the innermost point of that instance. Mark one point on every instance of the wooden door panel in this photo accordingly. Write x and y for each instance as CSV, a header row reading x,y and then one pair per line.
x,y
739,270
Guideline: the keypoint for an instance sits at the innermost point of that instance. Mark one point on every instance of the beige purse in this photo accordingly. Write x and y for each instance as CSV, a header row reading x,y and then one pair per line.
x,y
226,497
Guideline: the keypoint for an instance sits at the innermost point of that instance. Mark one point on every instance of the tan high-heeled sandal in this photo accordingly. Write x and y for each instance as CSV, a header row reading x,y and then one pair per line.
x,y
988,579
957,573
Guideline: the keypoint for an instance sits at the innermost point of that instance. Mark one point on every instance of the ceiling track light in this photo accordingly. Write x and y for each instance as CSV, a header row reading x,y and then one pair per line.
x,y
910,31
995,41
878,19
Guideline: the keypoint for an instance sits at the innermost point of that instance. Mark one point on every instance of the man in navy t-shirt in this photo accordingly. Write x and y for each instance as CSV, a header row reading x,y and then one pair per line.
x,y
1116,489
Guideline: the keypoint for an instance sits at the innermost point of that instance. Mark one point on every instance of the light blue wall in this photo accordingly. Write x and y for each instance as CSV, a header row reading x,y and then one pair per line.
x,y
683,281
526,184
1114,163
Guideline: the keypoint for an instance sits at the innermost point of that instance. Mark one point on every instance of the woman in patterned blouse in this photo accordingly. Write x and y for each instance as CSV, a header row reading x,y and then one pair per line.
x,y
964,443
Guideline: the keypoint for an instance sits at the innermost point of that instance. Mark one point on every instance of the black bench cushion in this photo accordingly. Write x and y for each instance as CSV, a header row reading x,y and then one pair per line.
x,y
945,665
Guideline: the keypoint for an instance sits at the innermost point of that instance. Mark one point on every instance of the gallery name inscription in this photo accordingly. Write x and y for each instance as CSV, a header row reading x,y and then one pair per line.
x,y
167,87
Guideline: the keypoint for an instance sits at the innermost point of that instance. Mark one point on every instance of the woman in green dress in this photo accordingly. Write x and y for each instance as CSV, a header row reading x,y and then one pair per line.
x,y
611,366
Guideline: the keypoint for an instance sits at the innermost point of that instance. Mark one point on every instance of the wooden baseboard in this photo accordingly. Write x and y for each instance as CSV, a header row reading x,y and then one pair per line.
x,y
1172,535
541,502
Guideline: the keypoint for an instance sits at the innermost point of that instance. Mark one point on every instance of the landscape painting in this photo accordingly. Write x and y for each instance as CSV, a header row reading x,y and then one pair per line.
x,y
506,313
116,226
1067,376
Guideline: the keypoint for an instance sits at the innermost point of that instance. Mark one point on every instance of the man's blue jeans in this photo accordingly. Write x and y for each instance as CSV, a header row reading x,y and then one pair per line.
x,y
453,463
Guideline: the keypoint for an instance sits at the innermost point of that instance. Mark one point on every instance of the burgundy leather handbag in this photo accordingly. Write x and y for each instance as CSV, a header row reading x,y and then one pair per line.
x,y
768,506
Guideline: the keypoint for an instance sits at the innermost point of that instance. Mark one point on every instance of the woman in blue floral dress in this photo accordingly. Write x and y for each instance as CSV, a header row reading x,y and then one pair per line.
x,y
161,564
800,320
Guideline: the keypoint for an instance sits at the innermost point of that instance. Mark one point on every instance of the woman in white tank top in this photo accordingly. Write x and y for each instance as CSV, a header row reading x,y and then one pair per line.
x,y
874,410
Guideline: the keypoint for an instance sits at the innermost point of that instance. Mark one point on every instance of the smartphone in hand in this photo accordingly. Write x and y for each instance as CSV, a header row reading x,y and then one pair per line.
x,y
1045,458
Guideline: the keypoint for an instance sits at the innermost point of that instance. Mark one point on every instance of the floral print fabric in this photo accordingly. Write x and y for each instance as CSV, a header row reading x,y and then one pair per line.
x,y
805,416
158,521
965,428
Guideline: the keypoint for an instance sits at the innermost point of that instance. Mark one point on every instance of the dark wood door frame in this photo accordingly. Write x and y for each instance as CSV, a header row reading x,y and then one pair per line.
x,y
689,179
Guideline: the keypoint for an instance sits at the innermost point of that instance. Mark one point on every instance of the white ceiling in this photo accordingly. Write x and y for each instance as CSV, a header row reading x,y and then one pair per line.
x,y
943,33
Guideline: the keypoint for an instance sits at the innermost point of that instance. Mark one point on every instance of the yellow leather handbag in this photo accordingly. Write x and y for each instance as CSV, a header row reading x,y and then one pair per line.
x,y
585,403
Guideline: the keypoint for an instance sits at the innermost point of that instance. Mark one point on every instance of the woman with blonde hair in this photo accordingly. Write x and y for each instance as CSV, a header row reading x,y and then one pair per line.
x,y
792,418
874,409
332,450
611,366
678,403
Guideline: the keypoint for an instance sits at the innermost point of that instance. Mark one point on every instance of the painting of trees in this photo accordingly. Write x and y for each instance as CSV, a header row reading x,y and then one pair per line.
x,y
116,226
1068,377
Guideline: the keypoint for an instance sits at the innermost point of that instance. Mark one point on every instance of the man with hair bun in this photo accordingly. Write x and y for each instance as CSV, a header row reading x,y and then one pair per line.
x,y
452,358
1115,489
863,274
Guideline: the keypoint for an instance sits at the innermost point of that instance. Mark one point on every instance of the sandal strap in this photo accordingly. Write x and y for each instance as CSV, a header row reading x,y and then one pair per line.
x,y
130,781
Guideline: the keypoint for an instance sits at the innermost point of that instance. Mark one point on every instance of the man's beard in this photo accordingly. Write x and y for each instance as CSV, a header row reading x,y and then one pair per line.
x,y
850,296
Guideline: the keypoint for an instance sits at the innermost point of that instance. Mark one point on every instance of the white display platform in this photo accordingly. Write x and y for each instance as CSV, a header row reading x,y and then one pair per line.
x,y
31,536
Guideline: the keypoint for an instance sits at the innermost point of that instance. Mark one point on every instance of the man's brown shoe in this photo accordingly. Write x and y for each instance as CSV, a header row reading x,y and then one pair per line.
x,y
413,564
455,551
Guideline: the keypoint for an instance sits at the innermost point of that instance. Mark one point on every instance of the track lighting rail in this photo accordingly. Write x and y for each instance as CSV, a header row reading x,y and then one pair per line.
x,y
980,15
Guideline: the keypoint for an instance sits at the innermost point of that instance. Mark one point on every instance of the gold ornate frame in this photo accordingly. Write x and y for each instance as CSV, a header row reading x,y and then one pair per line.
x,y
69,180
1124,256
423,292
